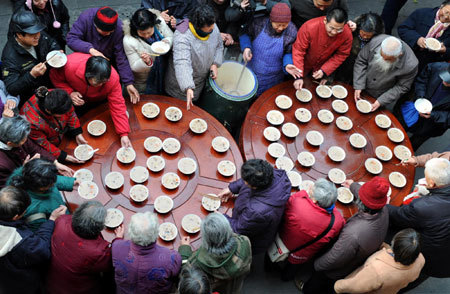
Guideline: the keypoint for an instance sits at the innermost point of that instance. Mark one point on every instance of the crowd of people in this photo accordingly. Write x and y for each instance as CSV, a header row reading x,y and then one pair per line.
x,y
45,248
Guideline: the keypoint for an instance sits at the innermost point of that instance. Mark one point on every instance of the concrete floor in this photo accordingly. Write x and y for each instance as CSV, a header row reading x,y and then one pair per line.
x,y
259,281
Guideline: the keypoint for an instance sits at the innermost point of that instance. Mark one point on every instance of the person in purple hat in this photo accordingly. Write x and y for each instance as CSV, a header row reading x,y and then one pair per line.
x,y
267,46
98,31
361,236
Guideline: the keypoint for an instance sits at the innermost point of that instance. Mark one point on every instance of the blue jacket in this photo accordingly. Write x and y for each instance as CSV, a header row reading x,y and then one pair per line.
x,y
417,25
23,256
178,8
426,84
257,214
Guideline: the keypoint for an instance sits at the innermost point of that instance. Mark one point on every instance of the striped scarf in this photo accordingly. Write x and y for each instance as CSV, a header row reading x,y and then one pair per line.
x,y
438,28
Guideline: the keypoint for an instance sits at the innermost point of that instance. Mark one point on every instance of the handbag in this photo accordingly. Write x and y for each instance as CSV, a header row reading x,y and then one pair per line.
x,y
278,251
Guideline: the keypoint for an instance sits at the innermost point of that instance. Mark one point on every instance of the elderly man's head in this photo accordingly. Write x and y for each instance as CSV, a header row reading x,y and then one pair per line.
x,y
216,234
388,55
323,193
14,131
437,173
89,220
143,228
13,203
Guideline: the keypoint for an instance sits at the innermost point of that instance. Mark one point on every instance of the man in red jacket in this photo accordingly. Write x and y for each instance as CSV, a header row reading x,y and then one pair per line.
x,y
89,79
322,44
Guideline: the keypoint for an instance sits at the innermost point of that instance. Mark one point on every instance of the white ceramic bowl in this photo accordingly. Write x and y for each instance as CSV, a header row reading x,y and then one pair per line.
x,y
153,144
56,59
187,165
170,181
167,231
139,193
226,168
156,163
114,180
303,95
126,155
96,127
173,113
323,91
160,47
163,204
220,144
88,190
83,152
150,110
283,102
114,217
139,174
272,134
198,125
339,91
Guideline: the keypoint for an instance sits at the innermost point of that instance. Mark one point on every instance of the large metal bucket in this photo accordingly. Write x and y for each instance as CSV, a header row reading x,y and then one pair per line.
x,y
229,109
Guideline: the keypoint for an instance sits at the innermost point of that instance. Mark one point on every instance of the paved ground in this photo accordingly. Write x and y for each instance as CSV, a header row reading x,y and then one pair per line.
x,y
260,282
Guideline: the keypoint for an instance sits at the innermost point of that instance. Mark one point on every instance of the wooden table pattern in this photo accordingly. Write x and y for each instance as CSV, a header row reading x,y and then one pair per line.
x,y
187,197
254,145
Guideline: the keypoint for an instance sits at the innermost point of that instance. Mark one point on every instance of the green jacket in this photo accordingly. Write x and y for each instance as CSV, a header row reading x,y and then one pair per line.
x,y
45,202
222,268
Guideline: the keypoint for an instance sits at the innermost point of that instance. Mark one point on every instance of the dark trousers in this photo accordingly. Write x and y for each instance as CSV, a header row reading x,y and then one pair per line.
x,y
319,283
390,14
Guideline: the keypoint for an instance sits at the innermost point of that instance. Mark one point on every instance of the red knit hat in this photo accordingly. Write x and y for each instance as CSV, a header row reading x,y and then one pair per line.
x,y
106,19
280,13
373,194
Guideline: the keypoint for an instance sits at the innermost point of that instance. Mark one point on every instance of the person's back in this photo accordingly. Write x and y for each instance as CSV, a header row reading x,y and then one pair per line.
x,y
153,268
23,254
77,263
387,270
430,216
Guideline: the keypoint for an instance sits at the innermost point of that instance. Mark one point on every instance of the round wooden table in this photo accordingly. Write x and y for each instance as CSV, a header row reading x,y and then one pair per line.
x,y
254,145
187,197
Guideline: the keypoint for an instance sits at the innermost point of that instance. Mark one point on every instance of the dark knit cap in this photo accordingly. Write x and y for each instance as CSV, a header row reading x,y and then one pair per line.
x,y
106,19
373,194
280,13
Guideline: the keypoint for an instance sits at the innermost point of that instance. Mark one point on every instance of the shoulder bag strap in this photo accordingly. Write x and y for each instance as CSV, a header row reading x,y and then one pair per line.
x,y
330,225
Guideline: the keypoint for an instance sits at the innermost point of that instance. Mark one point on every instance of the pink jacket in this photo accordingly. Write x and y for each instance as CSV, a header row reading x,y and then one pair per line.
x,y
71,78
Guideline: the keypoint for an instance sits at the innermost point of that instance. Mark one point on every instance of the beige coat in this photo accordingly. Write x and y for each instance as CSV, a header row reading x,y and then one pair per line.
x,y
380,274
134,47
422,159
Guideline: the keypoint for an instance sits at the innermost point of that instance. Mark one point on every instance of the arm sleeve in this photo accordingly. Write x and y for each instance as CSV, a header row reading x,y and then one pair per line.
x,y
58,78
401,87
185,252
134,58
287,59
360,68
15,81
36,249
422,81
218,55
422,159
103,262
32,148
166,31
7,95
76,35
364,280
40,137
182,62
339,55
245,42
64,183
236,186
74,123
407,30
441,117
123,67
118,109
300,47
340,254
404,216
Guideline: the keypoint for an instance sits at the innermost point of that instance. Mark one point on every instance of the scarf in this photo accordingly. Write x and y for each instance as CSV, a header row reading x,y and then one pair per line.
x,y
196,34
438,28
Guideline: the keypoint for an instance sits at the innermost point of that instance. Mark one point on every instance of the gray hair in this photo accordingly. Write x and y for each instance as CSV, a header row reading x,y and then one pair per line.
x,y
143,228
14,129
88,220
216,234
325,193
438,170
392,46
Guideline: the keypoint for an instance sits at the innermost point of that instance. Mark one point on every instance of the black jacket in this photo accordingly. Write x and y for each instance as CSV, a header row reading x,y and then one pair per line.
x,y
23,256
46,17
178,8
430,216
17,65
426,84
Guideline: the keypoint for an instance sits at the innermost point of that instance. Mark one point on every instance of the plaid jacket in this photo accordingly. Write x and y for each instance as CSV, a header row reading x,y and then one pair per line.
x,y
46,130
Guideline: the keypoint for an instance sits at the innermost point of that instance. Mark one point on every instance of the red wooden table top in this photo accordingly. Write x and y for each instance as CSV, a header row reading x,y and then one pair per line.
x,y
254,145
187,197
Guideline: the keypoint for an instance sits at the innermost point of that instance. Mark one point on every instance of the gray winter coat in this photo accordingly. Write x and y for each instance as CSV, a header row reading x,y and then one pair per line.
x,y
386,87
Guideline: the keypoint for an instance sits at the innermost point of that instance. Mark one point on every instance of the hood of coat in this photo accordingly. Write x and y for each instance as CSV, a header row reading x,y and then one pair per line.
x,y
278,192
9,238
126,23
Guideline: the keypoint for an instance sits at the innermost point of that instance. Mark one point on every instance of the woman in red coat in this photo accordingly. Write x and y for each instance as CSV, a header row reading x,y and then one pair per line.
x,y
51,115
307,216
